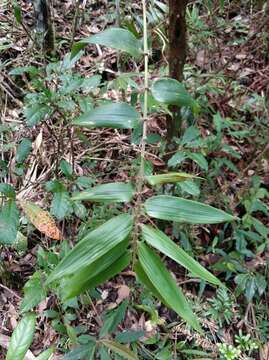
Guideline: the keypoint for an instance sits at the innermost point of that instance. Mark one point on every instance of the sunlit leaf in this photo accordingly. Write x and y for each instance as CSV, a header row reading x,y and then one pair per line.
x,y
41,219
112,192
93,246
187,211
114,115
21,338
168,178
165,285
45,355
164,244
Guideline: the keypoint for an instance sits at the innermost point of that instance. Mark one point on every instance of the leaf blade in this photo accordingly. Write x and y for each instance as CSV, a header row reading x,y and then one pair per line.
x,y
112,192
165,285
176,209
93,246
119,349
164,244
114,115
21,338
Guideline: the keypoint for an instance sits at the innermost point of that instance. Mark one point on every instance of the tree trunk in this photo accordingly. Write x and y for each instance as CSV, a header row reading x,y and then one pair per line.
x,y
44,25
177,56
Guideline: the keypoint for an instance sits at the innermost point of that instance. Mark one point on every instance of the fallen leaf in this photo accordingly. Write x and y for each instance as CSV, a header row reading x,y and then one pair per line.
x,y
123,293
41,219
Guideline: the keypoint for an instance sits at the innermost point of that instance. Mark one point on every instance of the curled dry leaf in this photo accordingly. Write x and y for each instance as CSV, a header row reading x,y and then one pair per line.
x,y
41,219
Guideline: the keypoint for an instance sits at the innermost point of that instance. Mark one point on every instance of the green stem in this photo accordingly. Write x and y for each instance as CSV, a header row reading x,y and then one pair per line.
x,y
140,178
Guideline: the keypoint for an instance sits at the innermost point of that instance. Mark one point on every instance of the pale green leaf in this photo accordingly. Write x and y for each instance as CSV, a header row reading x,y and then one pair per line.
x,y
165,285
45,355
114,115
112,192
168,178
187,211
93,246
21,338
164,244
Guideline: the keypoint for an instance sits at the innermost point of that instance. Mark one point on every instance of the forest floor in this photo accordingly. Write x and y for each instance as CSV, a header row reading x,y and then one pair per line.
x,y
227,70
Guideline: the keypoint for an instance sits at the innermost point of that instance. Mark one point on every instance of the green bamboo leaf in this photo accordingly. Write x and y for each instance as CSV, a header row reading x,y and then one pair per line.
x,y
9,222
112,192
165,285
172,92
98,272
168,178
115,38
21,338
93,246
181,210
164,244
114,115
119,349
45,355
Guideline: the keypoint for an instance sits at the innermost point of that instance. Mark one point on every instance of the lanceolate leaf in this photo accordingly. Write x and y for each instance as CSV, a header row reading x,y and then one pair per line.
x,y
104,268
113,192
114,115
165,285
115,38
9,222
119,349
168,178
41,219
45,355
164,244
172,92
181,210
21,338
93,246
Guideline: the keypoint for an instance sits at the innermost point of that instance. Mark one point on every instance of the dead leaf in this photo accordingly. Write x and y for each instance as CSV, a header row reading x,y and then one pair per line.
x,y
41,219
123,293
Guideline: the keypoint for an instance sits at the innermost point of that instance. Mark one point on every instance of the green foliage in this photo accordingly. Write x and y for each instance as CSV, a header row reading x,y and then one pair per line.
x,y
21,338
9,222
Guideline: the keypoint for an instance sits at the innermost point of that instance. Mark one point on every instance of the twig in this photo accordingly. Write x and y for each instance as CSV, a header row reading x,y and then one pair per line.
x,y
75,23
11,291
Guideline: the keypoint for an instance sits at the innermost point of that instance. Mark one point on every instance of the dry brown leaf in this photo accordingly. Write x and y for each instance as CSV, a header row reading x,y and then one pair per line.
x,y
123,293
41,219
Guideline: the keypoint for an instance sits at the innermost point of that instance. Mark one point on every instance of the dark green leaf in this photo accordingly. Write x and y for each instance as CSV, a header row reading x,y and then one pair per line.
x,y
9,222
100,270
164,244
17,12
181,210
23,150
165,285
96,244
66,169
172,92
113,319
21,338
7,190
81,352
119,349
114,115
127,337
34,292
35,113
